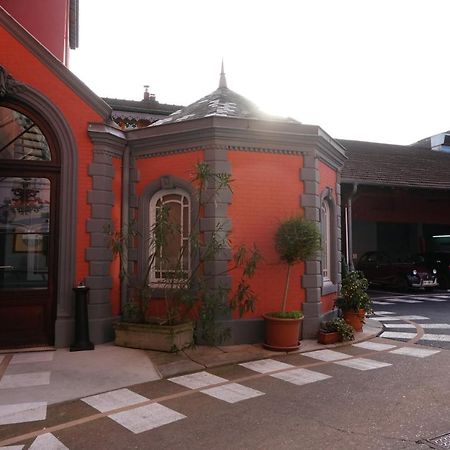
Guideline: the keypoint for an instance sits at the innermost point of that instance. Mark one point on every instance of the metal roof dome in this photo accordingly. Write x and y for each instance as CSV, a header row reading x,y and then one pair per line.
x,y
222,102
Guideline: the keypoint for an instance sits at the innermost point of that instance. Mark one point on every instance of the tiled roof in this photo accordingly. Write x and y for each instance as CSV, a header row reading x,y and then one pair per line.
x,y
395,165
222,102
141,106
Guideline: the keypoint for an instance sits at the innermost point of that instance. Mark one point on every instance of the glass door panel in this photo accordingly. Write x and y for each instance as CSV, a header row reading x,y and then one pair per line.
x,y
24,232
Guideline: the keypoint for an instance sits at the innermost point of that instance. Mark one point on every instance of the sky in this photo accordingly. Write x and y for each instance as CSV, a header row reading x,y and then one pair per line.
x,y
360,69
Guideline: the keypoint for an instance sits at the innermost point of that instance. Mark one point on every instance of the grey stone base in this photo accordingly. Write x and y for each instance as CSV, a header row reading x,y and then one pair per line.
x,y
100,331
245,331
310,327
64,332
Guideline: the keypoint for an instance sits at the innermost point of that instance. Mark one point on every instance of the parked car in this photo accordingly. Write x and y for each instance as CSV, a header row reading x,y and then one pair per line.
x,y
383,270
440,261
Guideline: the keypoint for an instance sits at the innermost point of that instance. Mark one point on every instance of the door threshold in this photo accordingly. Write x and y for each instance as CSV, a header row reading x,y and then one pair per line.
x,y
5,351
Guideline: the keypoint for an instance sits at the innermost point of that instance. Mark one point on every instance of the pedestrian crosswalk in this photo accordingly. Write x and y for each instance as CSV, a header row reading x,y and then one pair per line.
x,y
407,327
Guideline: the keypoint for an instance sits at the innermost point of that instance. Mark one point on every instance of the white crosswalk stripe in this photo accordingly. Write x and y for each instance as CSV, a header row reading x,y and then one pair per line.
x,y
431,299
47,442
376,346
300,377
198,380
395,318
436,337
146,417
363,364
397,335
232,392
404,300
427,326
415,352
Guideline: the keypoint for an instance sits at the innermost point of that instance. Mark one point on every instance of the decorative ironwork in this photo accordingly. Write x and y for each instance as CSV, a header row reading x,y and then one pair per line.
x,y
8,85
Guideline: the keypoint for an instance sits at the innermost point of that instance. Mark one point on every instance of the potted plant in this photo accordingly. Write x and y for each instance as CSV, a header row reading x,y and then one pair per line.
x,y
354,302
296,240
191,302
335,330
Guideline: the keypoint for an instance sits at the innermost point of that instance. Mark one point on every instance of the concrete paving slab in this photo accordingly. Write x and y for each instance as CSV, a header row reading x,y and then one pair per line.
x,y
80,374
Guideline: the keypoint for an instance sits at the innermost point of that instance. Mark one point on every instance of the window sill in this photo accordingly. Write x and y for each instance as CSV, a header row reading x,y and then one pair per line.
x,y
328,287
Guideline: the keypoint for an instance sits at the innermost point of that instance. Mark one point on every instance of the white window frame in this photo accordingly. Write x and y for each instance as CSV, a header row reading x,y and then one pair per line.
x,y
185,208
326,240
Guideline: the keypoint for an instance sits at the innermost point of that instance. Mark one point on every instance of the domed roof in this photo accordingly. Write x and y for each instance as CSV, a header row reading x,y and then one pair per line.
x,y
223,102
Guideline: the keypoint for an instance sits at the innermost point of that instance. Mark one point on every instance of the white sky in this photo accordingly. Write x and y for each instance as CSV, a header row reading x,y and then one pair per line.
x,y
375,70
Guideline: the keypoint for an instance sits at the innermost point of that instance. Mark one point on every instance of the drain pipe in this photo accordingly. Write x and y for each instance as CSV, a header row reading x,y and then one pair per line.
x,y
125,219
349,230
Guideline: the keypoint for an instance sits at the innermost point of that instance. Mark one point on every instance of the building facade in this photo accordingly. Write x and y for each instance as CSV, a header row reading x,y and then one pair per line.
x,y
68,172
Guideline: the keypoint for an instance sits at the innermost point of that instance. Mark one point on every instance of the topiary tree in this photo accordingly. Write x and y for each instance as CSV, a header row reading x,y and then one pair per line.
x,y
296,240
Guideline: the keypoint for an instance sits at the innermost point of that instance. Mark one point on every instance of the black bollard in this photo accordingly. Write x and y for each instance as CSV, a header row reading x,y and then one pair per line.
x,y
82,341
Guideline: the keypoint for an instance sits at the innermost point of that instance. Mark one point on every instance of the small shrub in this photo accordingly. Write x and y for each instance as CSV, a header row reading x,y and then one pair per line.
x,y
338,325
353,293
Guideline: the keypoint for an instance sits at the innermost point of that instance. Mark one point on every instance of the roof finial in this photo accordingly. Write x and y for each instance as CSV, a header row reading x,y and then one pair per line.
x,y
223,80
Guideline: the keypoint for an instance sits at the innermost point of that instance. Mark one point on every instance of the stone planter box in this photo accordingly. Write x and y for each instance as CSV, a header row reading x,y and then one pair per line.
x,y
165,338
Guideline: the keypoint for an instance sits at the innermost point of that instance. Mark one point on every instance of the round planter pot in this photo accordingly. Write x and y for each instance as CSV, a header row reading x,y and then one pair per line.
x,y
355,319
328,338
282,334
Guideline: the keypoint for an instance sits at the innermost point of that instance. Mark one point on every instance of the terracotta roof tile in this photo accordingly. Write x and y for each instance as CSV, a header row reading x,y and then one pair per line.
x,y
395,165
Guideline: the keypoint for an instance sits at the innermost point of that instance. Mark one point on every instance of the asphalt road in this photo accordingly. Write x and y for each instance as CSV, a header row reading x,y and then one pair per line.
x,y
426,313
382,397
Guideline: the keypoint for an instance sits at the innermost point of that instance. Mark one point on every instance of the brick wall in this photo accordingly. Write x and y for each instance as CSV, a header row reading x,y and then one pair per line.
x,y
266,190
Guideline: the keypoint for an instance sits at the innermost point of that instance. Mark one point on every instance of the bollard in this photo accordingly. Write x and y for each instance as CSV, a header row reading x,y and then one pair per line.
x,y
82,341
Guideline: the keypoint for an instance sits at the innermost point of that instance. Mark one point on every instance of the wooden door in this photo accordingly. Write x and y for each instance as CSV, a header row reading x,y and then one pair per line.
x,y
29,184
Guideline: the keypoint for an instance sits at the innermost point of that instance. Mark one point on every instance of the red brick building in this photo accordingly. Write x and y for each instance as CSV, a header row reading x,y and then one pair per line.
x,y
67,171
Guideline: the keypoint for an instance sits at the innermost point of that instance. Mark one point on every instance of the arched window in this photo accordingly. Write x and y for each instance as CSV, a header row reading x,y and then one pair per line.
x,y
326,240
169,237
20,138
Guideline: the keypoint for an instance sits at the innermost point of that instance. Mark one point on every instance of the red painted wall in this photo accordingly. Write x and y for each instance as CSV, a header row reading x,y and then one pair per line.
x,y
17,60
266,190
401,207
46,20
327,302
181,165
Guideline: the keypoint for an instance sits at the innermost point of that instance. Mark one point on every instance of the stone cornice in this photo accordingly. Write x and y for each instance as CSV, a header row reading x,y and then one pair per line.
x,y
107,140
21,34
236,134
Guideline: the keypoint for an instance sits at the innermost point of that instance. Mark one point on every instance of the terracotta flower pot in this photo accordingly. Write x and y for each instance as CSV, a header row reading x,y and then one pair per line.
x,y
282,334
328,337
355,319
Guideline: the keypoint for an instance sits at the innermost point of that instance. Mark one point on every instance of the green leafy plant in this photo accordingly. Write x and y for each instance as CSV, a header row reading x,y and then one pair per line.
x,y
353,293
188,294
296,240
340,326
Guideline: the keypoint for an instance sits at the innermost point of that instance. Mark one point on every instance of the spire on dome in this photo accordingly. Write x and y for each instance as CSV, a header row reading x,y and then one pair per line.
x,y
223,80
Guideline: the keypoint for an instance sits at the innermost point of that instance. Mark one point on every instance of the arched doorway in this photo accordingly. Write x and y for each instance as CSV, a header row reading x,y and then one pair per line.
x,y
29,188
